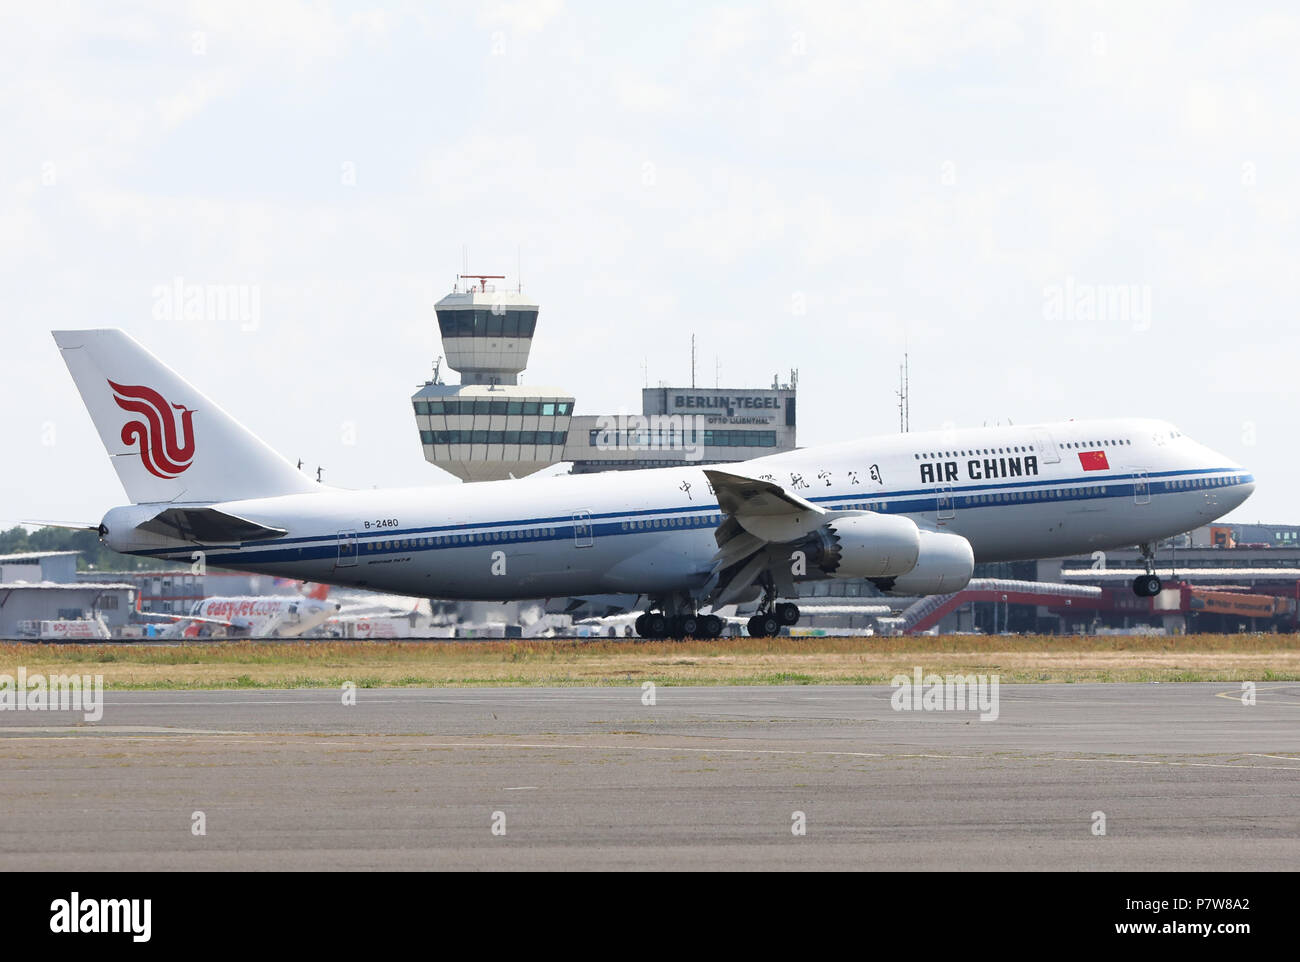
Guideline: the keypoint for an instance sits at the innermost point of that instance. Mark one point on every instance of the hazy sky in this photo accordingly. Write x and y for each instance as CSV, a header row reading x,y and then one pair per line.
x,y
1065,210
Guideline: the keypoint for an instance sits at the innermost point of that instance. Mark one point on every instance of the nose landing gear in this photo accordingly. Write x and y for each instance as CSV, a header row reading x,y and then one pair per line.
x,y
1148,585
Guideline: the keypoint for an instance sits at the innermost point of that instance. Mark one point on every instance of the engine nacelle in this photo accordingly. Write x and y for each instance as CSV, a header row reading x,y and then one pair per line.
x,y
945,564
864,546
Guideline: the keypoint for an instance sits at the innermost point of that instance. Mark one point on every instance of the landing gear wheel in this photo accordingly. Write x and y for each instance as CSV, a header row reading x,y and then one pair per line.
x,y
639,624
656,626
688,626
1147,586
764,626
712,626
787,613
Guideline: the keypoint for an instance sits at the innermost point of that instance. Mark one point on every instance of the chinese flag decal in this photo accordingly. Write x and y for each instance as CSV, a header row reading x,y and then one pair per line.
x,y
1094,461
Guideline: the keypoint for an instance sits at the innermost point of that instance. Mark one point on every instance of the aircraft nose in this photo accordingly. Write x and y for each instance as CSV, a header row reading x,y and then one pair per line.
x,y
1243,486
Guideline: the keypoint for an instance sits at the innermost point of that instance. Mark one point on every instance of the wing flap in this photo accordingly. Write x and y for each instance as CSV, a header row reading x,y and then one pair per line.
x,y
737,548
759,514
764,509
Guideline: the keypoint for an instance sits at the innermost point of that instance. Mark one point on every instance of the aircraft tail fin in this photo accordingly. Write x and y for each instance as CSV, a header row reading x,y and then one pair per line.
x,y
167,441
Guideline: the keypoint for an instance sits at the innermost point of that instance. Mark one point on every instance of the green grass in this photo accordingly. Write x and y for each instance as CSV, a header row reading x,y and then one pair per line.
x,y
737,661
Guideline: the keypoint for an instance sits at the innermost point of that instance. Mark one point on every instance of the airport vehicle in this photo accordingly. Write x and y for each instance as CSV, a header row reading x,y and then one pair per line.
x,y
79,629
911,512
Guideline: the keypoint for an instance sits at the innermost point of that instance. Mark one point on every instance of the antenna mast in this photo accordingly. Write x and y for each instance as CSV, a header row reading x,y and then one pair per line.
x,y
904,402
899,392
907,396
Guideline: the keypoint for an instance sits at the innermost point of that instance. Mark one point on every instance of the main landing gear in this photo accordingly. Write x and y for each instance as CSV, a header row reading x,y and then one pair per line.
x,y
1148,585
659,623
768,625
654,624
772,616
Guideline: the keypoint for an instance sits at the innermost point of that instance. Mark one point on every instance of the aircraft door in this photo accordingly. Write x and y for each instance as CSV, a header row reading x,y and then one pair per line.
x,y
943,503
583,533
1141,487
347,549
1046,448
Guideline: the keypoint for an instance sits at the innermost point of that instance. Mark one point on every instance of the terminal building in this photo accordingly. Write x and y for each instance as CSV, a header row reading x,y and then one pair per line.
x,y
490,427
167,591
679,426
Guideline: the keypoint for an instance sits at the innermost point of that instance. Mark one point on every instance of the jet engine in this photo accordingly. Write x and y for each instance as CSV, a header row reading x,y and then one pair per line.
x,y
863,546
945,564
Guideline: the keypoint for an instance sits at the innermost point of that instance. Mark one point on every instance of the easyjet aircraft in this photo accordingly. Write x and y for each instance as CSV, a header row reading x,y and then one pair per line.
x,y
911,512
256,616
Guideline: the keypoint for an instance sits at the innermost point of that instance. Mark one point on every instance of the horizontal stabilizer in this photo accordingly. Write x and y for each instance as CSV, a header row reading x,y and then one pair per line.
x,y
70,525
208,526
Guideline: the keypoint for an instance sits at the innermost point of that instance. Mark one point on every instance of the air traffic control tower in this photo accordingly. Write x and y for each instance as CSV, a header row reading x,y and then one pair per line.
x,y
489,427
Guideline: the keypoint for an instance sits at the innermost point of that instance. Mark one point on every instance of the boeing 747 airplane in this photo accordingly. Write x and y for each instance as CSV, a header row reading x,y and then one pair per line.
x,y
913,513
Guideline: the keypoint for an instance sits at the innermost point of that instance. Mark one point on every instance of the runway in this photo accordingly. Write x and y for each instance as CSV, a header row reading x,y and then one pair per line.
x,y
705,778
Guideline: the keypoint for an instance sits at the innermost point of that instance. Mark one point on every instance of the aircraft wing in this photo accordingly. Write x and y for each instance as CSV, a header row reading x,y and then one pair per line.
x,y
755,497
758,514
199,618
377,610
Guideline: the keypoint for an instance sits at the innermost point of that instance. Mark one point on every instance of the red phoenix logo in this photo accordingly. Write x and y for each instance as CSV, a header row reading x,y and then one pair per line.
x,y
161,450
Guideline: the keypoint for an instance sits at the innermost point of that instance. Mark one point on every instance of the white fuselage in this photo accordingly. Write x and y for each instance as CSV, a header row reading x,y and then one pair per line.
x,y
265,616
1013,492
